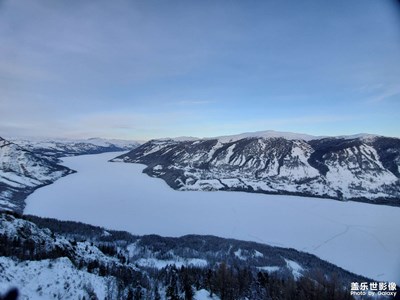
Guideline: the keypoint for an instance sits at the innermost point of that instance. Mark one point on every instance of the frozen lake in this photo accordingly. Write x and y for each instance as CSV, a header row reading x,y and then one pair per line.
x,y
359,237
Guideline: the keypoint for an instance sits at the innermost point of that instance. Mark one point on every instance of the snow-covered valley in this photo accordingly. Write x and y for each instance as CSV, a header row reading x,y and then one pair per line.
x,y
359,237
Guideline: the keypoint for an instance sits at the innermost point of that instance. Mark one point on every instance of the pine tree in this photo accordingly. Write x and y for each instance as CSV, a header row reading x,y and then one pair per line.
x,y
157,295
172,289
138,293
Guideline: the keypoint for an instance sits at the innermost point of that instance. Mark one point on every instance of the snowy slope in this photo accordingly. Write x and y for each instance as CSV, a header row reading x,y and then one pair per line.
x,y
51,279
44,266
21,172
362,167
28,164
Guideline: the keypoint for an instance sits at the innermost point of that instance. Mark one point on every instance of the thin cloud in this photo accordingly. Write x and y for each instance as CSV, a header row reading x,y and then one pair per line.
x,y
385,94
19,71
370,88
194,102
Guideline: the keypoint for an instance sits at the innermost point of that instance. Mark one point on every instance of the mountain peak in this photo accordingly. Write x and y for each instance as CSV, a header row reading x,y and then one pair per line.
x,y
363,136
268,134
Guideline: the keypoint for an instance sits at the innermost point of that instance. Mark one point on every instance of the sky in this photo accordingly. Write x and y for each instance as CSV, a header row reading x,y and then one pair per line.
x,y
149,69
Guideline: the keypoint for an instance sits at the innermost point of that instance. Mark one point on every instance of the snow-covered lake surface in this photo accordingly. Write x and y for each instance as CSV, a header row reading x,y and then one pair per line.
x,y
359,237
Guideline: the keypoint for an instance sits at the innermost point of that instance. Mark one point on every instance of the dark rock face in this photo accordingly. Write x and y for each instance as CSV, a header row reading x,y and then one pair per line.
x,y
360,169
388,150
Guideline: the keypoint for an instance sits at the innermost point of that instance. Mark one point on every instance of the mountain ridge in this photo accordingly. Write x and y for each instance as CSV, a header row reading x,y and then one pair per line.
x,y
269,134
27,165
56,148
22,172
362,167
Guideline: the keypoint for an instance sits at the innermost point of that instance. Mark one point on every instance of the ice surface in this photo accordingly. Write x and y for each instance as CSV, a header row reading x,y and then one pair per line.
x,y
359,237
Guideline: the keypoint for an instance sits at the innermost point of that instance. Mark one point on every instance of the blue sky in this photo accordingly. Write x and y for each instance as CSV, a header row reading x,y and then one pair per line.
x,y
148,69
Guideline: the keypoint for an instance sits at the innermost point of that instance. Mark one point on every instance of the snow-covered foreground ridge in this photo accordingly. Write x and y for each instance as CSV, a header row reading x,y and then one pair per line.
x,y
360,168
48,259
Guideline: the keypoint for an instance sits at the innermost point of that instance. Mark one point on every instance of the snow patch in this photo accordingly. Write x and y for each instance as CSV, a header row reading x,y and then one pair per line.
x,y
269,269
204,295
295,268
178,262
239,254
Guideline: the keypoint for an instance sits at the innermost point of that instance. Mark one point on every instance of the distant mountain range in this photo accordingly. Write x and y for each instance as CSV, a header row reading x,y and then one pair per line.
x,y
67,147
361,167
268,134
26,165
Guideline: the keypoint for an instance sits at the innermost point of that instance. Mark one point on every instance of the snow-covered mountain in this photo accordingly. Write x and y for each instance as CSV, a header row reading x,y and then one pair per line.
x,y
48,259
21,172
361,167
267,134
27,164
65,147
